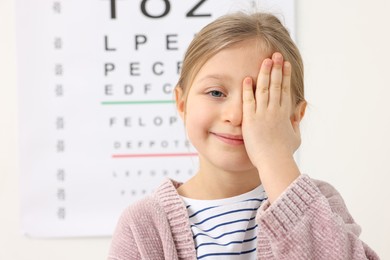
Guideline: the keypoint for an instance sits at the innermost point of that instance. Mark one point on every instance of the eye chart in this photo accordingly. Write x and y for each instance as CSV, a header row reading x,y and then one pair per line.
x,y
98,124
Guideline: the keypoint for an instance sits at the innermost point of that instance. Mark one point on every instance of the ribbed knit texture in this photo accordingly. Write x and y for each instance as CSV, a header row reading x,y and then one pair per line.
x,y
308,221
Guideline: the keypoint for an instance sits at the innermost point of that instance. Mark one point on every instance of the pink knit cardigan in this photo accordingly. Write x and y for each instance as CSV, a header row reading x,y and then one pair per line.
x,y
308,221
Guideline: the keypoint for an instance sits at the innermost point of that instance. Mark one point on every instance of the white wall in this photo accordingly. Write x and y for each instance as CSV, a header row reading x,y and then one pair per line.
x,y
345,46
346,140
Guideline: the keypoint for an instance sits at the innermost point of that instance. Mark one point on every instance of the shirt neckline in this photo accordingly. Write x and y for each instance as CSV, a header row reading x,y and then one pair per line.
x,y
256,193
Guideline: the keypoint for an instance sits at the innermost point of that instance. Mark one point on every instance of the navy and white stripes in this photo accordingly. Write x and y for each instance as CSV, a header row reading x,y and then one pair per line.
x,y
225,228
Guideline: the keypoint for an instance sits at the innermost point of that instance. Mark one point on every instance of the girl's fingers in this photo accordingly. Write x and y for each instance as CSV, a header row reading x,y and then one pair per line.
x,y
262,85
286,87
272,87
275,88
248,98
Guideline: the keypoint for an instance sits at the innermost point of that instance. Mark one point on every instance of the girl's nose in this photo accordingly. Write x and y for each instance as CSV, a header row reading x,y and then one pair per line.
x,y
232,112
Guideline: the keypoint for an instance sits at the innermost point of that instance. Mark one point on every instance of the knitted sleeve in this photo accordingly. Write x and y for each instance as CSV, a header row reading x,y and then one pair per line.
x,y
309,221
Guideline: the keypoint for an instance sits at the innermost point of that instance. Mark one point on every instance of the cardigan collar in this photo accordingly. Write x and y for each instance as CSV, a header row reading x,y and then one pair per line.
x,y
177,215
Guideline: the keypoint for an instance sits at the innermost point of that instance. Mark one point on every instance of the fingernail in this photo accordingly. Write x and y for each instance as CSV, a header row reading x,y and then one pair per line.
x,y
267,62
278,56
248,81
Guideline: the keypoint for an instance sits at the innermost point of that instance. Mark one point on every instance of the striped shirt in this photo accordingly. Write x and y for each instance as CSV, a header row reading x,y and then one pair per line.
x,y
225,228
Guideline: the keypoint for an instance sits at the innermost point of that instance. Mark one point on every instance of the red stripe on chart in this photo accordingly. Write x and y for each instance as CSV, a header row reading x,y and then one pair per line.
x,y
146,155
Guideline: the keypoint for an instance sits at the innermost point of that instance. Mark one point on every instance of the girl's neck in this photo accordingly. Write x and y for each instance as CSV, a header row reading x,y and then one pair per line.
x,y
210,183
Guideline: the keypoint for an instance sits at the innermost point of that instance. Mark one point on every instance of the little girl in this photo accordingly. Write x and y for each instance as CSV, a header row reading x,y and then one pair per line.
x,y
241,97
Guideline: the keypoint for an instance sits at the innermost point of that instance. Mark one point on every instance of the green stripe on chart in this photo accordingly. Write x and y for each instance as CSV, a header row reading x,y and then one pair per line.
x,y
140,102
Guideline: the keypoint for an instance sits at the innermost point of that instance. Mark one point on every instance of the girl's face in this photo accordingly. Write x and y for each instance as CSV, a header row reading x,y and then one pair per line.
x,y
212,111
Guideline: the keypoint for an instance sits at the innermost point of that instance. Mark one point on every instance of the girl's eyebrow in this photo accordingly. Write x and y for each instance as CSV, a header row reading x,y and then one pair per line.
x,y
215,77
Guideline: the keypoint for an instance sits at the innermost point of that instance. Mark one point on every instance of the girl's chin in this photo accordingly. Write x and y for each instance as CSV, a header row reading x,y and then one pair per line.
x,y
230,165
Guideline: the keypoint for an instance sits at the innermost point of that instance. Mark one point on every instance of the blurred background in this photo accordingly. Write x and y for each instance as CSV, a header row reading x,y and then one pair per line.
x,y
346,140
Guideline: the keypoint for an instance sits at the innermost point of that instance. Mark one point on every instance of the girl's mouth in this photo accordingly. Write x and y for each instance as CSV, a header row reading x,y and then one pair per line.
x,y
229,139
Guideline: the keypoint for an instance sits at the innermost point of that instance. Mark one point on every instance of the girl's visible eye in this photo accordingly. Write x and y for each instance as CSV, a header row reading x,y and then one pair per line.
x,y
216,93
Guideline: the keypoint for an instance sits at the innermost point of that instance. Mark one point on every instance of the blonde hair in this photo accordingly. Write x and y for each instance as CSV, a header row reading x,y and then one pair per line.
x,y
235,28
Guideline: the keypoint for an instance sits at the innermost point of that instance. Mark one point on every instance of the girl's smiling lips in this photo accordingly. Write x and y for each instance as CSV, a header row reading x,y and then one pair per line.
x,y
229,138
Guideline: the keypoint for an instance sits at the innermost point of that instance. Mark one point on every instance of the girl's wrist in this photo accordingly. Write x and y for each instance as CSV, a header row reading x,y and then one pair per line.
x,y
277,174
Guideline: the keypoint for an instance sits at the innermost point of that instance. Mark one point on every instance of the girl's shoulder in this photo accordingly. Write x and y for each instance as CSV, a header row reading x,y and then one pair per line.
x,y
322,189
315,186
306,194
162,201
330,193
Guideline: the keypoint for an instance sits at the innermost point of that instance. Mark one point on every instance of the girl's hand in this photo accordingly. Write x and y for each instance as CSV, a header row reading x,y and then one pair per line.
x,y
270,136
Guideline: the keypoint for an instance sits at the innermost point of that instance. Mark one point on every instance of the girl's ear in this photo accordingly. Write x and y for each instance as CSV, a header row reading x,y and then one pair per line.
x,y
180,104
299,112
